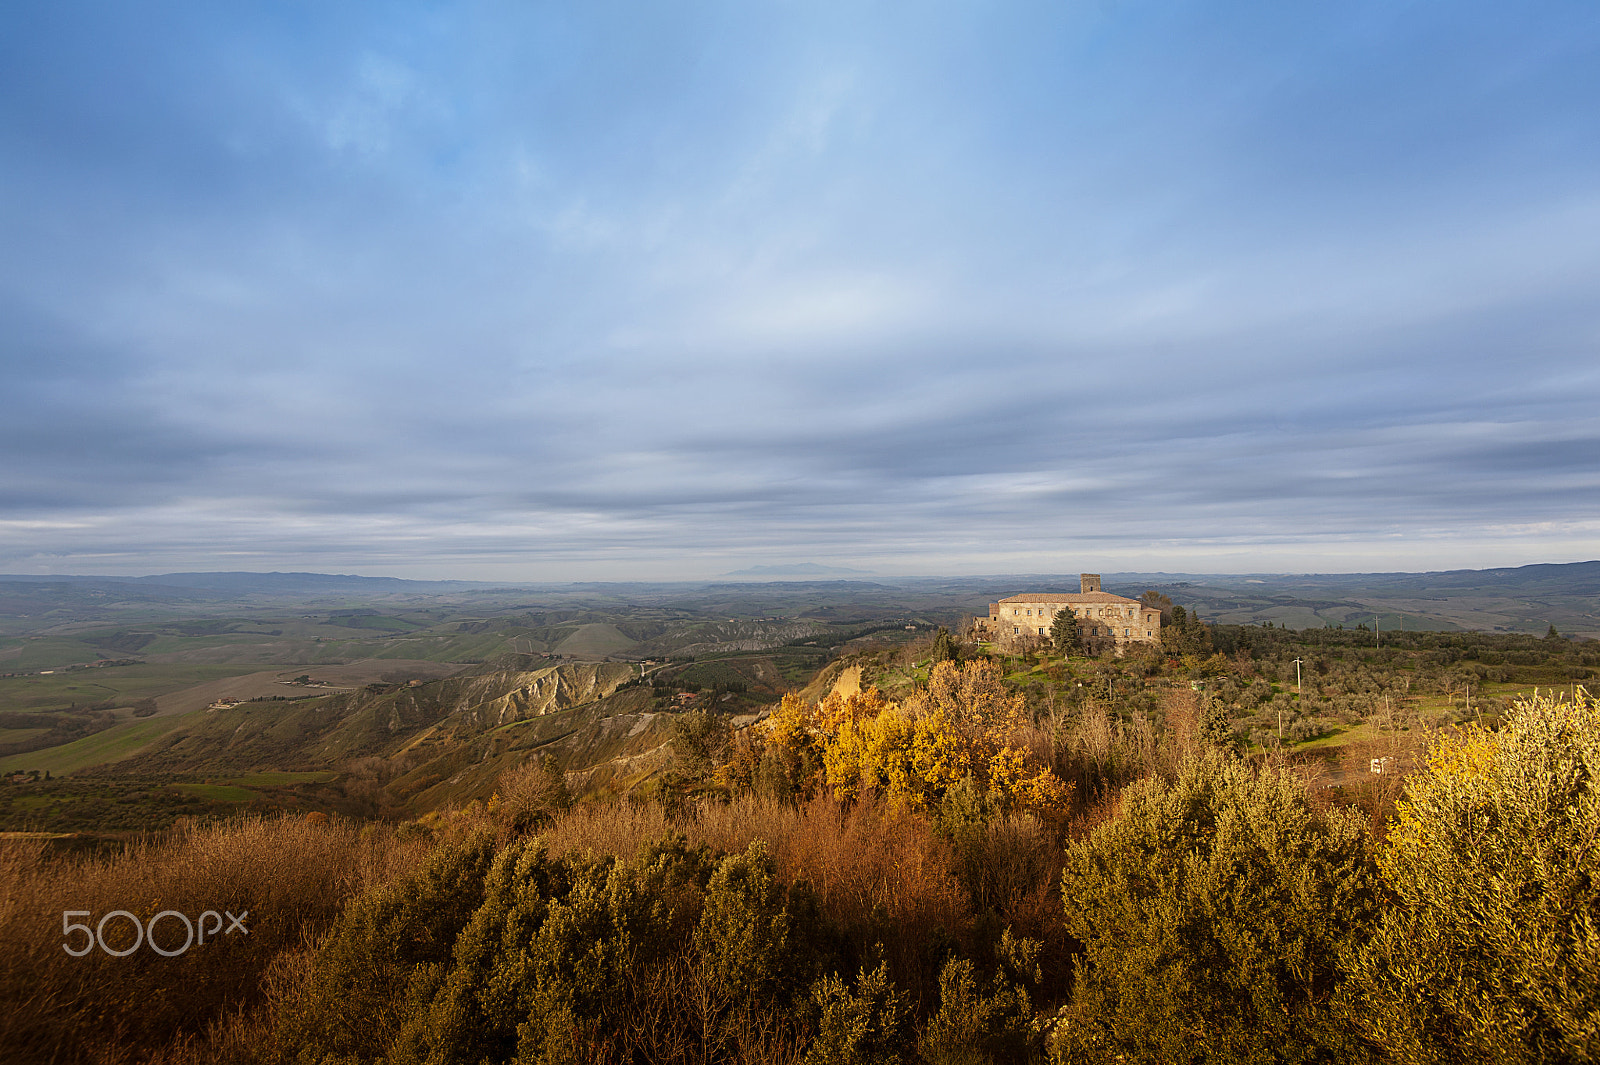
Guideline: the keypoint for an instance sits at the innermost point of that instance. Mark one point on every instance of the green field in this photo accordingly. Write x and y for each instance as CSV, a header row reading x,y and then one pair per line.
x,y
1340,737
113,744
597,640
44,652
121,685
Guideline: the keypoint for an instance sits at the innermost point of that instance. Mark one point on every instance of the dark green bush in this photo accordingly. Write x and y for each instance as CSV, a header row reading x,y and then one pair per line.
x,y
515,956
386,952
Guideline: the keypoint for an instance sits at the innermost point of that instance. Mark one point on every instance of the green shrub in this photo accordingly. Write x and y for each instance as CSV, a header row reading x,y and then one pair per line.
x,y
387,952
1490,950
561,953
742,939
973,1027
1211,915
516,956
867,1025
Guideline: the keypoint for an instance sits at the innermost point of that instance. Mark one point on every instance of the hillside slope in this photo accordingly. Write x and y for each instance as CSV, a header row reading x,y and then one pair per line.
x,y
412,747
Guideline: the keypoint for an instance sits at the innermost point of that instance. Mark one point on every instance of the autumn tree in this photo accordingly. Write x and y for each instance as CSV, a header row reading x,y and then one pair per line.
x,y
961,728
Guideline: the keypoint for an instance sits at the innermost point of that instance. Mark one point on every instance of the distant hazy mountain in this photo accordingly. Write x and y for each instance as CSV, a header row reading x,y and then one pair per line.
x,y
800,569
243,583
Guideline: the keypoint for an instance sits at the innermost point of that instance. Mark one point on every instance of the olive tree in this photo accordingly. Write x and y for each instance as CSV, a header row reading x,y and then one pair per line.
x,y
1490,950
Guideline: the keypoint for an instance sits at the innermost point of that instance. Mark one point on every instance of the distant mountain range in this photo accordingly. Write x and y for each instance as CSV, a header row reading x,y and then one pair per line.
x,y
799,569
1571,578
245,583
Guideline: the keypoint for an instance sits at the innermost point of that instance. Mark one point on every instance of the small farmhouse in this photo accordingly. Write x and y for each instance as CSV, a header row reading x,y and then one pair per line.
x,y
1100,615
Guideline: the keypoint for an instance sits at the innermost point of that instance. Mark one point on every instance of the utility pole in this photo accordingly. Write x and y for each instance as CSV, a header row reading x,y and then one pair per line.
x,y
1297,676
1377,641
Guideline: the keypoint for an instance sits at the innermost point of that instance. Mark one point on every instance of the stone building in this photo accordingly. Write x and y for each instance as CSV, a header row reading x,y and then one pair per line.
x,y
1101,615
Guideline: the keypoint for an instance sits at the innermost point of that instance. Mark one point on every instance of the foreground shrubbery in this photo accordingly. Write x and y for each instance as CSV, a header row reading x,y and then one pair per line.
x,y
1490,948
1213,913
1218,915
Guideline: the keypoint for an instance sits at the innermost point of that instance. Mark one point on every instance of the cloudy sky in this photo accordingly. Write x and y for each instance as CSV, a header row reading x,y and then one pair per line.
x,y
631,290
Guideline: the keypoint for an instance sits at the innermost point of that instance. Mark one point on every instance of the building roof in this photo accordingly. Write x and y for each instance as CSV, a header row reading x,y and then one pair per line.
x,y
1068,597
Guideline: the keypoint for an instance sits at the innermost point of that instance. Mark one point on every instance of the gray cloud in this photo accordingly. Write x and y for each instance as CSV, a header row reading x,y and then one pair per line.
x,y
407,289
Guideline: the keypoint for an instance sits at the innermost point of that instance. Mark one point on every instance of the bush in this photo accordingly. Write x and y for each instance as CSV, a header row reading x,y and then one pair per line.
x,y
869,1025
1212,913
515,955
1491,950
973,1027
384,954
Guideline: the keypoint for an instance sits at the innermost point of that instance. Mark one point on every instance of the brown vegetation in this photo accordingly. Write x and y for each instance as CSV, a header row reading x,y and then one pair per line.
x,y
291,875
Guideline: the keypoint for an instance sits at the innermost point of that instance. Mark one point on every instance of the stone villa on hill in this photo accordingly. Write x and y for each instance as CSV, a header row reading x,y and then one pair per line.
x,y
1101,615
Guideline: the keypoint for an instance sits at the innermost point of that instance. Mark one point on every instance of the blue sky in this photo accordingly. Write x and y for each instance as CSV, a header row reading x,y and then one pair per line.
x,y
597,290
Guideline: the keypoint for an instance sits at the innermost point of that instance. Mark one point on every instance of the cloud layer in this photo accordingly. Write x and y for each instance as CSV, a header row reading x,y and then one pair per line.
x,y
501,290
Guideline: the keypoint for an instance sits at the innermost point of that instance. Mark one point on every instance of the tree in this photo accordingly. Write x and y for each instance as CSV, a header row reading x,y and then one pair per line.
x,y
943,649
532,793
1213,912
1185,635
1491,948
699,740
1064,631
1216,729
1154,600
960,729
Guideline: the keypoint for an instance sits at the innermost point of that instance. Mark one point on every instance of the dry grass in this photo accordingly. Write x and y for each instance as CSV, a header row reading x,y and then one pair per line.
x,y
291,875
623,829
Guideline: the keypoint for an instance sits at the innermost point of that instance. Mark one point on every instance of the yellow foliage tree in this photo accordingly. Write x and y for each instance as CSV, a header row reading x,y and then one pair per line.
x,y
974,697
911,755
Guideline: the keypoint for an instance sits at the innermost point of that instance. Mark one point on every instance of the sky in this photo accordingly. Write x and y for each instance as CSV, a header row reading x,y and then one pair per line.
x,y
534,291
